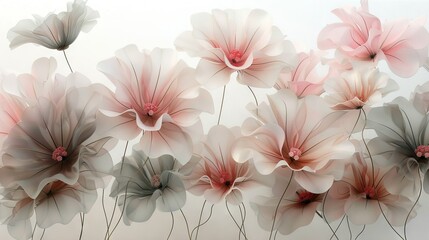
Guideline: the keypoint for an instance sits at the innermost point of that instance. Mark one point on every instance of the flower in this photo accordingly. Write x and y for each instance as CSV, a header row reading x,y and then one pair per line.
x,y
402,136
361,36
144,183
296,209
55,31
363,194
236,41
57,203
215,174
358,88
56,142
299,134
157,94
11,109
302,78
43,82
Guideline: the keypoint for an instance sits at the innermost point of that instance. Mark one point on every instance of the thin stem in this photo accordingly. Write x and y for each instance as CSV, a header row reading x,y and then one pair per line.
x,y
336,229
187,225
122,212
367,148
256,100
82,221
107,235
67,60
348,226
103,205
221,104
201,224
384,215
278,205
34,231
172,225
354,126
243,214
326,220
43,234
360,233
414,205
233,219
199,220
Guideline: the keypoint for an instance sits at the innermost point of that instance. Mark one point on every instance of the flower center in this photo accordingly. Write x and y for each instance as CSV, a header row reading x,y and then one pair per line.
x,y
295,153
305,197
369,192
59,153
235,56
422,151
155,181
150,108
225,179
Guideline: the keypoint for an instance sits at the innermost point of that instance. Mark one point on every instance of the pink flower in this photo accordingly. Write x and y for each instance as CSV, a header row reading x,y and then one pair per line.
x,y
56,142
11,109
302,78
43,82
235,41
299,134
215,173
358,88
155,94
297,208
361,36
363,196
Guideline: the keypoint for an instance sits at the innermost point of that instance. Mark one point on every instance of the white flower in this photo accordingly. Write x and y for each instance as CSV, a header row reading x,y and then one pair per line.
x,y
55,31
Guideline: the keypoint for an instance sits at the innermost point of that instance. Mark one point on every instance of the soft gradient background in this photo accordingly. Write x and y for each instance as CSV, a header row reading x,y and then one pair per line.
x,y
150,24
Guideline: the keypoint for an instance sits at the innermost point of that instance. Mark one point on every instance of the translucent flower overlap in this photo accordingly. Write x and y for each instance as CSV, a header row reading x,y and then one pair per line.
x,y
320,144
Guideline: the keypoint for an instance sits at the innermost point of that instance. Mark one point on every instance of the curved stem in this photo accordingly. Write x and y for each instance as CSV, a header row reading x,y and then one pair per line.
x,y
199,221
414,205
360,233
233,219
43,234
82,221
122,212
384,215
67,60
187,225
172,226
254,97
221,104
367,148
336,229
350,229
108,233
326,220
34,231
278,205
354,126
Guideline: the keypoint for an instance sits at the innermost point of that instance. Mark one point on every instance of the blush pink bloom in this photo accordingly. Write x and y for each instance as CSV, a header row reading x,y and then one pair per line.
x,y
363,196
11,109
358,88
360,36
55,141
297,208
302,78
299,134
155,94
239,41
215,174
43,82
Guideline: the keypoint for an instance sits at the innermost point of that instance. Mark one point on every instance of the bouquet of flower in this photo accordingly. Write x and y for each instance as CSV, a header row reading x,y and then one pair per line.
x,y
322,145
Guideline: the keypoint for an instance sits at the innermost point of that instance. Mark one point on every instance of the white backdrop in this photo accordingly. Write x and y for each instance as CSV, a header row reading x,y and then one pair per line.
x,y
150,24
